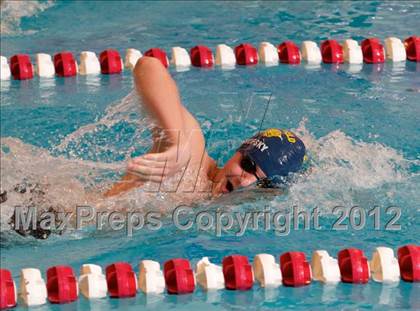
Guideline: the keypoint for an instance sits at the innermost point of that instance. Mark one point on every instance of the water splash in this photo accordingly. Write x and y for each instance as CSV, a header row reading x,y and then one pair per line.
x,y
13,11
343,170
120,116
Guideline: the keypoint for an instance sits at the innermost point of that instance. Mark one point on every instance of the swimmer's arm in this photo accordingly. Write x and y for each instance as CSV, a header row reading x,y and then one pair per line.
x,y
160,96
127,182
161,99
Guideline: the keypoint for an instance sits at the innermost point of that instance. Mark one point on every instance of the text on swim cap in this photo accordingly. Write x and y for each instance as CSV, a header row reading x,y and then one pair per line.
x,y
273,132
259,144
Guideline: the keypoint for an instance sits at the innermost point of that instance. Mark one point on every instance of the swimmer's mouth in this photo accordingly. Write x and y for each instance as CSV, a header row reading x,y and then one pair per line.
x,y
3,197
229,186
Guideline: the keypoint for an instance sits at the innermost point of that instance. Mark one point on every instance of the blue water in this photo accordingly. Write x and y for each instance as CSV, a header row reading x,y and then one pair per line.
x,y
361,128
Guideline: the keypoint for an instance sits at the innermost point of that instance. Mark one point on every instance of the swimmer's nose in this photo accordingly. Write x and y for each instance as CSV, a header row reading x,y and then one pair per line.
x,y
245,180
237,182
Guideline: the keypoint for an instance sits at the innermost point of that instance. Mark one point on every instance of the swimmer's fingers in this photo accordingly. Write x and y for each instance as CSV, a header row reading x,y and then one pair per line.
x,y
141,161
161,160
147,178
173,154
156,157
152,168
147,170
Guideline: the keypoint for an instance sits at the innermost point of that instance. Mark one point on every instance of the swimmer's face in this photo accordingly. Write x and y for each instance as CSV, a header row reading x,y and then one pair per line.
x,y
233,175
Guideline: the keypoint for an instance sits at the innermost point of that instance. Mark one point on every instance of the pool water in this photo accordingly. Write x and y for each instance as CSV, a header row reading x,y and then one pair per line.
x,y
73,135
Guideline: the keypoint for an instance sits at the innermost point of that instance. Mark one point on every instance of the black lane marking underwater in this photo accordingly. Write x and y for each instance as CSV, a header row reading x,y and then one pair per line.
x,y
265,111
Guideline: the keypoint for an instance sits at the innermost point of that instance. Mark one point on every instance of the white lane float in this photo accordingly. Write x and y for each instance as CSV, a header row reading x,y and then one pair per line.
x,y
33,289
268,54
384,266
325,268
352,52
208,275
44,65
225,56
5,73
131,58
267,271
395,49
89,63
311,53
151,280
180,58
92,282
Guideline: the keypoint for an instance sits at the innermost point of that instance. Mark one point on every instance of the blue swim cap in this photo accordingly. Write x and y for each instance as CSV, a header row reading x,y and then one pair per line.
x,y
277,152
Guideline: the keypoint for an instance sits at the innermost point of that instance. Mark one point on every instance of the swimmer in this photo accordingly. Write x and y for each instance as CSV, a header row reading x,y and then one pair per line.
x,y
179,144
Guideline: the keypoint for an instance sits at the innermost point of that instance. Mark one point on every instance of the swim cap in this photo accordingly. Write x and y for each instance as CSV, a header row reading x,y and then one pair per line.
x,y
277,152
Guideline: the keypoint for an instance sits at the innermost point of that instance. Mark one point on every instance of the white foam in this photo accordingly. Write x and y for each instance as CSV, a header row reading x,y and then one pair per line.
x,y
13,11
341,167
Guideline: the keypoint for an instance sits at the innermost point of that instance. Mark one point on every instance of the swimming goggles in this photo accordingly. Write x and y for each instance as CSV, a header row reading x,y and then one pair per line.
x,y
249,166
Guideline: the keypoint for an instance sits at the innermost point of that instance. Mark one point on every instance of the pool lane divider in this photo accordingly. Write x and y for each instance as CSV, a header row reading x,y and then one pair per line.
x,y
64,64
332,52
236,273
121,280
289,53
62,285
159,54
352,52
179,276
92,282
246,54
201,56
295,269
151,279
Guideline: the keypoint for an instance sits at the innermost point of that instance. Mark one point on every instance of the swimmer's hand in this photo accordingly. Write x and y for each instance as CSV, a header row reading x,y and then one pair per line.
x,y
152,167
156,167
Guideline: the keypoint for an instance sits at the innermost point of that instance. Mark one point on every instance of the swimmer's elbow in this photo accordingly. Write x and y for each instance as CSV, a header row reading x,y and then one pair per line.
x,y
145,64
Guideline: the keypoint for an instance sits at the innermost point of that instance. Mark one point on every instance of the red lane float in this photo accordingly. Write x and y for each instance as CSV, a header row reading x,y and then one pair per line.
x,y
246,54
121,280
110,61
7,290
353,266
237,272
332,52
288,53
61,284
159,54
21,67
65,64
295,269
201,56
373,51
179,277
412,48
409,261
